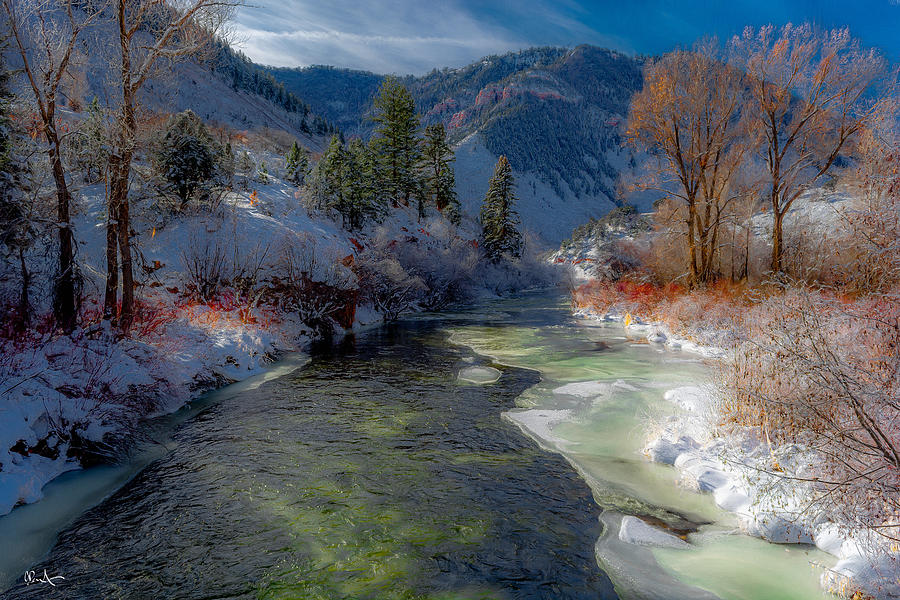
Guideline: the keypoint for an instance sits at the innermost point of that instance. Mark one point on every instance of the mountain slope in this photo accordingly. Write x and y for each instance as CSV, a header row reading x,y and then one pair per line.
x,y
557,114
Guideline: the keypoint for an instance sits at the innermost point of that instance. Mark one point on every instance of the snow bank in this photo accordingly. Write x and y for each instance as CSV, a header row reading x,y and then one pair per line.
x,y
734,469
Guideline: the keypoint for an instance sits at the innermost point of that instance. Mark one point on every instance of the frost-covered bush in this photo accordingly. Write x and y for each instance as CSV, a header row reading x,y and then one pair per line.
x,y
383,280
530,270
824,374
312,280
446,266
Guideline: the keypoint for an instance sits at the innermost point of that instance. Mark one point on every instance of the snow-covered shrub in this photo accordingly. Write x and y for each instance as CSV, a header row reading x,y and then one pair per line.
x,y
205,262
444,262
824,374
531,270
385,282
312,280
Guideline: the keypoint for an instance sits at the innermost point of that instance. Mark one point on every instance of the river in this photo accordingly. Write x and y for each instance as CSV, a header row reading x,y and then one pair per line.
x,y
373,471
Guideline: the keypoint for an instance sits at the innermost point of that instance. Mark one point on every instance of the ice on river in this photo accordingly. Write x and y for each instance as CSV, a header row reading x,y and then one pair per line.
x,y
539,423
479,374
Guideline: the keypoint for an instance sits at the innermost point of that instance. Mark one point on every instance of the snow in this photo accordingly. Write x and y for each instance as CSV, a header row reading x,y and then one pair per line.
x,y
732,466
474,166
635,531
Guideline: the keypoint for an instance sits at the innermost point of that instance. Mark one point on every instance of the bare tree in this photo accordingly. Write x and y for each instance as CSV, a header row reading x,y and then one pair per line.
x,y
687,114
45,33
811,94
151,34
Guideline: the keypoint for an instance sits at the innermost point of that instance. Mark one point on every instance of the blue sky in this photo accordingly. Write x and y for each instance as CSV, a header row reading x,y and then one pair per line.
x,y
413,36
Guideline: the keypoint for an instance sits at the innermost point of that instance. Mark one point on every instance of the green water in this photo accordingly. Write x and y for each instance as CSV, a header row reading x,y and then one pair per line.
x,y
602,438
376,472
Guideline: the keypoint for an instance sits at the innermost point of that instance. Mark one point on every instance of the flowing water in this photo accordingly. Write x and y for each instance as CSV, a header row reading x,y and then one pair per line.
x,y
376,472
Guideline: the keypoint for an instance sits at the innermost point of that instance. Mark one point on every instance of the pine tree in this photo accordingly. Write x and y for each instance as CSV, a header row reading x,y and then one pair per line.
x,y
439,179
360,185
296,164
327,179
498,218
92,148
186,156
396,140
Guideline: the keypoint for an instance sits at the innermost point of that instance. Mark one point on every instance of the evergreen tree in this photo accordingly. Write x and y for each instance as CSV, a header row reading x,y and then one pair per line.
x,y
327,179
498,218
396,141
296,164
91,145
361,191
186,155
439,179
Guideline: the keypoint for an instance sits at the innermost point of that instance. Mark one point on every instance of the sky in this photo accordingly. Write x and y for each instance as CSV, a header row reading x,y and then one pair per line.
x,y
415,36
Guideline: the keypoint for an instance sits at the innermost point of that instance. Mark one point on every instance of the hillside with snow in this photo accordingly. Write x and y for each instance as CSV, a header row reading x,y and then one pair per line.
x,y
558,115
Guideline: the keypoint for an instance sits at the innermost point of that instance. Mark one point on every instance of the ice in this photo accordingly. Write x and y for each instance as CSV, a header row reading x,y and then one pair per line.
x,y
480,375
635,531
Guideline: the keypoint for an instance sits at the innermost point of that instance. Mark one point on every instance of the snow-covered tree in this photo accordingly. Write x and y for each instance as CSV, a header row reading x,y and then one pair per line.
x,y
45,36
499,234
17,229
149,34
812,93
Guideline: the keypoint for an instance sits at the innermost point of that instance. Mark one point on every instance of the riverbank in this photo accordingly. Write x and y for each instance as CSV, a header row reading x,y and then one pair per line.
x,y
746,474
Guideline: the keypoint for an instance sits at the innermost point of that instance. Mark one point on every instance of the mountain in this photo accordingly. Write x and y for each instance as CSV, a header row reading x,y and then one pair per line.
x,y
558,114
222,87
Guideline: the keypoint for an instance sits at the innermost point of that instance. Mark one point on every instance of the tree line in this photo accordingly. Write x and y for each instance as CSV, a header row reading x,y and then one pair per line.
x,y
399,165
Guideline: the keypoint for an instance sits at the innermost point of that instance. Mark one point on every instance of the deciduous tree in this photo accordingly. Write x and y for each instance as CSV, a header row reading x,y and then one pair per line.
x,y
811,94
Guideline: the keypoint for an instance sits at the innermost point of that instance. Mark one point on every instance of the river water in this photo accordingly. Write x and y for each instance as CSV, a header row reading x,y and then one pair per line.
x,y
375,472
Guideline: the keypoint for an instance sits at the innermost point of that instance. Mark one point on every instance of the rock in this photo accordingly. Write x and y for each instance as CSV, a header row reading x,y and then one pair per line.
x,y
656,337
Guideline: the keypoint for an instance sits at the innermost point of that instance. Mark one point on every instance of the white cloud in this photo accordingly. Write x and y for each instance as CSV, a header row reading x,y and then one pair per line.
x,y
402,36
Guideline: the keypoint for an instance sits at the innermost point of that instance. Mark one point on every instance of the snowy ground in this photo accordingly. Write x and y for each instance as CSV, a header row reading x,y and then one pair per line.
x,y
734,467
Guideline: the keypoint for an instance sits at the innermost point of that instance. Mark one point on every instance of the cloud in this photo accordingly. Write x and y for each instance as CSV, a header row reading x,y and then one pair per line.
x,y
400,36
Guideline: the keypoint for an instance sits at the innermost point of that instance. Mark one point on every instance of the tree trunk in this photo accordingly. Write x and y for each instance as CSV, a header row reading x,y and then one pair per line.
x,y
777,242
24,316
110,299
692,245
119,188
127,316
64,288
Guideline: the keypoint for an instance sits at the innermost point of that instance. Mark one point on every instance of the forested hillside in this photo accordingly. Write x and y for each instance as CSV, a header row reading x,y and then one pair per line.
x,y
557,114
